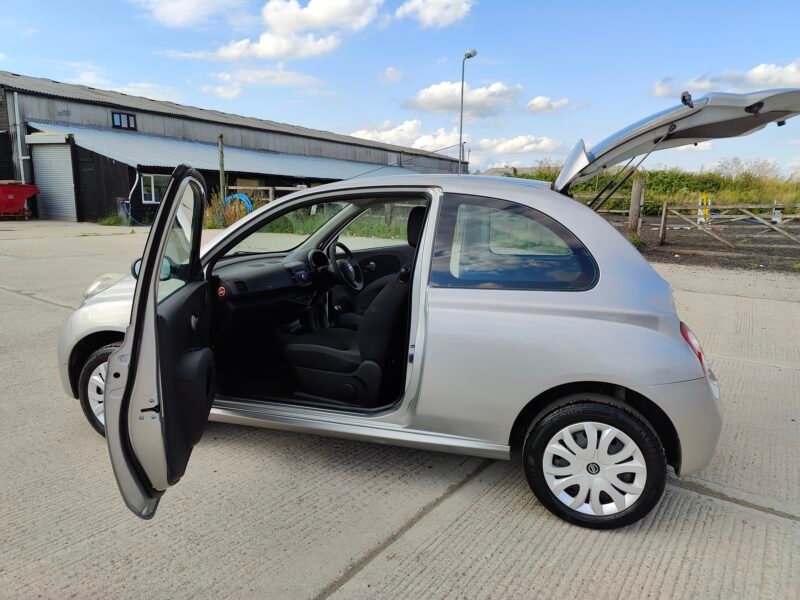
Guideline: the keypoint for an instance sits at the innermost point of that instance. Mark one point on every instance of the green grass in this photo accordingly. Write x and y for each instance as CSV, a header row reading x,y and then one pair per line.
x,y
796,267
636,241
113,220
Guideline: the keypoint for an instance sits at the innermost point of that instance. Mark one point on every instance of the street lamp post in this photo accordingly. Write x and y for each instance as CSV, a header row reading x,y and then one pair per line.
x,y
468,54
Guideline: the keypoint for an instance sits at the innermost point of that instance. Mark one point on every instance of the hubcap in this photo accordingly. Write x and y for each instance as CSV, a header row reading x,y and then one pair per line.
x,y
594,468
95,392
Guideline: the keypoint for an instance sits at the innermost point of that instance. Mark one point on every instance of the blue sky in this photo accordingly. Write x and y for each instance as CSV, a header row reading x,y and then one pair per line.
x,y
546,74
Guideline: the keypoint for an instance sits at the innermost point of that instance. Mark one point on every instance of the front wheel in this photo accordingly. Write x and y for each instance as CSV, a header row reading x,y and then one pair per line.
x,y
92,386
595,463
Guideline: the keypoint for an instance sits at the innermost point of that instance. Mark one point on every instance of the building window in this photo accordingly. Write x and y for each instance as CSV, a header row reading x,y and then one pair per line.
x,y
495,244
123,120
153,188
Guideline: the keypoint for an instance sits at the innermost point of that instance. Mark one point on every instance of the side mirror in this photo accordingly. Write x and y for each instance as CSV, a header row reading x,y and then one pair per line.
x,y
136,267
163,275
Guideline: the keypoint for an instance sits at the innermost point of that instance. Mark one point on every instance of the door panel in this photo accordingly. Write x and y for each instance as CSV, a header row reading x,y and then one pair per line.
x,y
387,261
183,334
162,377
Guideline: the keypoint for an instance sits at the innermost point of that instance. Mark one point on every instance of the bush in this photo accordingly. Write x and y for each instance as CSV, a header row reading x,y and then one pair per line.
x,y
113,220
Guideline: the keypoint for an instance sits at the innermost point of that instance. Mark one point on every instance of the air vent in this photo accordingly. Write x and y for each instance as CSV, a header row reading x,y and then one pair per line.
x,y
240,286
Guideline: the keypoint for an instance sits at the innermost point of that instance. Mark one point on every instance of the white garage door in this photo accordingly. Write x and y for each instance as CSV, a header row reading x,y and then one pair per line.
x,y
52,167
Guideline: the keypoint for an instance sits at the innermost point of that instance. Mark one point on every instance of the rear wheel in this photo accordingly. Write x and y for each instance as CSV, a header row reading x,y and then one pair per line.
x,y
595,463
92,385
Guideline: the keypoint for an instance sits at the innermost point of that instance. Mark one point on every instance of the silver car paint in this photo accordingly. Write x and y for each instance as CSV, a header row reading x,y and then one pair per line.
x,y
714,109
481,355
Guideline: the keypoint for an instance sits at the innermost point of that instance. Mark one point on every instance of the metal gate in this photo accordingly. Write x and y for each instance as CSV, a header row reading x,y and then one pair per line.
x,y
52,167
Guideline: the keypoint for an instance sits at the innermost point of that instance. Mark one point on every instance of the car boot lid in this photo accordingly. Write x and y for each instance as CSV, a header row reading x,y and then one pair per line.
x,y
714,116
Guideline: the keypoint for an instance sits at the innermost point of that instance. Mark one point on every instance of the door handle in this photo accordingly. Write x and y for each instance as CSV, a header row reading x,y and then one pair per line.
x,y
193,321
370,266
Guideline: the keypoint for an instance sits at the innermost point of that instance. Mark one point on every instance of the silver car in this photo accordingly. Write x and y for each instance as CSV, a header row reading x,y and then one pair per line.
x,y
487,316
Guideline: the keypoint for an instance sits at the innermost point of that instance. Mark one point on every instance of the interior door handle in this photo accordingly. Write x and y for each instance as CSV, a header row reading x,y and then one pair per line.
x,y
370,266
193,321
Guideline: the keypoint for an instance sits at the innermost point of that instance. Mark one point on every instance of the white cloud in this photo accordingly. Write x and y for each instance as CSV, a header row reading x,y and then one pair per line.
x,y
3,56
280,46
765,75
89,74
795,142
519,144
478,102
289,16
698,147
669,86
294,31
545,104
184,13
390,75
435,13
231,83
794,164
409,133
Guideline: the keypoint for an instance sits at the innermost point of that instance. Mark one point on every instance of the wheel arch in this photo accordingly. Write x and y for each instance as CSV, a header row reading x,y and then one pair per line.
x,y
84,348
542,404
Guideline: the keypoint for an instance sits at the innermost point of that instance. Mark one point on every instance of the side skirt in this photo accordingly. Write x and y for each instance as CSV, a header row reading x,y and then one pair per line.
x,y
242,413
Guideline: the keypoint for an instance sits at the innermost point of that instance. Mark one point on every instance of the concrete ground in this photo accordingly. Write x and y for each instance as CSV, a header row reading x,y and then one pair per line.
x,y
268,514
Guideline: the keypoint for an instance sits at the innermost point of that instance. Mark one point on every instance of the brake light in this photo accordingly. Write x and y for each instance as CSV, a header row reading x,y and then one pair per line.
x,y
694,344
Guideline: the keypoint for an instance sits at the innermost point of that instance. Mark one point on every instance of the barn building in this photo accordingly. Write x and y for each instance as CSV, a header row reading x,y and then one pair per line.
x,y
89,149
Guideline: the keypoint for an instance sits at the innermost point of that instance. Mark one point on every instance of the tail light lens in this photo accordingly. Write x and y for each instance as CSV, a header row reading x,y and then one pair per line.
x,y
694,344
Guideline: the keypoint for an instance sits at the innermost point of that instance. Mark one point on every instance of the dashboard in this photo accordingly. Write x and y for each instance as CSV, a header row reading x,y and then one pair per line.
x,y
246,275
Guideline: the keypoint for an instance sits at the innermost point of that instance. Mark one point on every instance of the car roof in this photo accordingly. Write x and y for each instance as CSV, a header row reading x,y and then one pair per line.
x,y
448,183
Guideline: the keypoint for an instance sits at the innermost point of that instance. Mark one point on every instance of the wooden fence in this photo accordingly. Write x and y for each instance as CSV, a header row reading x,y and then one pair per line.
x,y
732,224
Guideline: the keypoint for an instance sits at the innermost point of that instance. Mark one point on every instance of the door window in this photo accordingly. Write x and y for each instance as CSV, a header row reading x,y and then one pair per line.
x,y
496,244
380,226
176,261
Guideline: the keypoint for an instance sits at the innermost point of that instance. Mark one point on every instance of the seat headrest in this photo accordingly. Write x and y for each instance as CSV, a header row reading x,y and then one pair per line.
x,y
416,218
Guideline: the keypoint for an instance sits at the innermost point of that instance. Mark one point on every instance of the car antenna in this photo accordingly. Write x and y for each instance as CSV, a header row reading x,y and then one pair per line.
x,y
686,98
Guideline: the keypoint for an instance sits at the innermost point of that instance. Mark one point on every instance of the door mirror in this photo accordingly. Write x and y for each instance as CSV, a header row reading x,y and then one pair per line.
x,y
163,275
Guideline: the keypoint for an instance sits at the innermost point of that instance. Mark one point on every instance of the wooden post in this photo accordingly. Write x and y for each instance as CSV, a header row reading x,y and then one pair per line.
x,y
223,185
637,193
662,230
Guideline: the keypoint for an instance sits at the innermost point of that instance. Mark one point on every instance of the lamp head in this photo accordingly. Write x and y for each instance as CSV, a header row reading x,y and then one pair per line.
x,y
470,53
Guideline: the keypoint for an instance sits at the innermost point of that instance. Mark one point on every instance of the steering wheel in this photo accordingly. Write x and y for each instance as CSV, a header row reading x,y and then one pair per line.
x,y
346,270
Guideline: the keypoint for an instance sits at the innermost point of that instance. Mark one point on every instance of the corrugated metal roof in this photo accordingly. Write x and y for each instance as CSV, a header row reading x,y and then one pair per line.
x,y
140,150
84,93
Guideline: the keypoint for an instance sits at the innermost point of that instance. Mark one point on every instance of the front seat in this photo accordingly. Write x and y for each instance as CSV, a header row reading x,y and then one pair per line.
x,y
352,320
347,365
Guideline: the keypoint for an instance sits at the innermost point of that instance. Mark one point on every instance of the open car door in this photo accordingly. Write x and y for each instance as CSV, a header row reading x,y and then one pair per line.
x,y
161,381
714,116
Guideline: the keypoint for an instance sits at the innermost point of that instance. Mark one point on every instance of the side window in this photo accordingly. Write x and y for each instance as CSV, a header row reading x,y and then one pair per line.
x,y
496,244
379,226
176,267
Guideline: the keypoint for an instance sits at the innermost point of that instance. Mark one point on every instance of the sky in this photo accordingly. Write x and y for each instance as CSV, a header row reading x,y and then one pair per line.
x,y
545,74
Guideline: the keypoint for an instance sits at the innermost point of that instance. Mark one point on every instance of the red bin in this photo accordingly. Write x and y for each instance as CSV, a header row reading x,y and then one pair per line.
x,y
13,197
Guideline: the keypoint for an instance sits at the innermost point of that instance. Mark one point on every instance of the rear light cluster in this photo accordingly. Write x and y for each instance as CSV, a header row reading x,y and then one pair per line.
x,y
694,344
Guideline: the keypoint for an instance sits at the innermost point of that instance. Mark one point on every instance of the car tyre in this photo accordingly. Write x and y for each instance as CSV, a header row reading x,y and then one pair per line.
x,y
91,386
609,482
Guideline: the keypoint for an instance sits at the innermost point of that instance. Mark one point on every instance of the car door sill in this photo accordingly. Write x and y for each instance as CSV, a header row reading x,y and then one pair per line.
x,y
292,418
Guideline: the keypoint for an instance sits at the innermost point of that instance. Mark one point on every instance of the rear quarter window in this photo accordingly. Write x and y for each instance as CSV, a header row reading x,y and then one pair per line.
x,y
496,244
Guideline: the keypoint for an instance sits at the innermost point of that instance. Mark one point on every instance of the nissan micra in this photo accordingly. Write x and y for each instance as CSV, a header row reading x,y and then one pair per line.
x,y
495,317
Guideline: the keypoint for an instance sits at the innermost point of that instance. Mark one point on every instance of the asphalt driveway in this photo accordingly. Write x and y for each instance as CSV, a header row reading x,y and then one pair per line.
x,y
272,514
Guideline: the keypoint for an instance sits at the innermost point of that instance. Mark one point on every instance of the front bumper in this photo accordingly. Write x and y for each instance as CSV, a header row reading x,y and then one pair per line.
x,y
694,409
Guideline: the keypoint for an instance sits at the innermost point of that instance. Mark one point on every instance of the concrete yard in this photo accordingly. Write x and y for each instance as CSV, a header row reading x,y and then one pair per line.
x,y
270,514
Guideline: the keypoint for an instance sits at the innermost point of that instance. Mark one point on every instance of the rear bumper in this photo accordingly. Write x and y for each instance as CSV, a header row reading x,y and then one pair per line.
x,y
694,409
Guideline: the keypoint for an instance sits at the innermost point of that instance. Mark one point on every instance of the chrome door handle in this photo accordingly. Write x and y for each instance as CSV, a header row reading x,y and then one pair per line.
x,y
370,266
